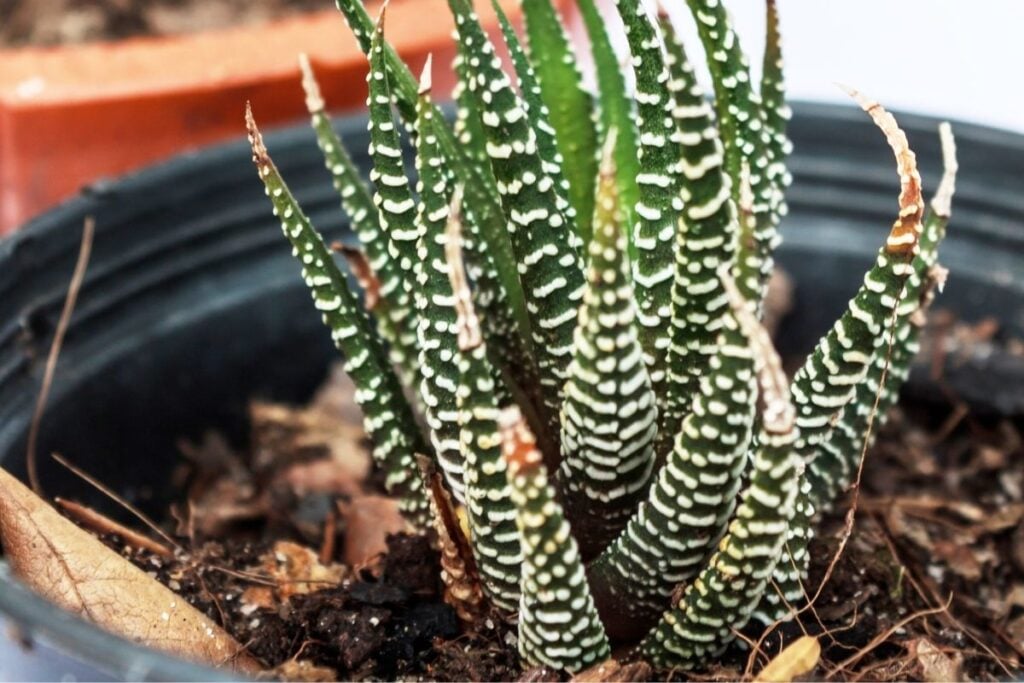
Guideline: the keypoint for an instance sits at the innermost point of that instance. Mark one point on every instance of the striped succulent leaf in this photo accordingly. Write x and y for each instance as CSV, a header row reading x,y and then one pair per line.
x,y
826,384
492,513
741,121
558,624
570,106
473,176
435,304
722,598
625,358
392,313
540,119
396,207
707,240
690,500
660,204
609,417
616,110
776,111
542,236
840,455
386,415
468,128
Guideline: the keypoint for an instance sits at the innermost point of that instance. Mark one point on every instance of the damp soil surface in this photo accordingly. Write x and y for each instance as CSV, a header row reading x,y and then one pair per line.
x,y
61,22
917,574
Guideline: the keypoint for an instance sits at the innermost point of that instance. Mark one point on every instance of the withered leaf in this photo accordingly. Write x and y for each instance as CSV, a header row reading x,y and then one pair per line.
x,y
368,521
306,671
936,666
611,671
799,658
73,569
297,570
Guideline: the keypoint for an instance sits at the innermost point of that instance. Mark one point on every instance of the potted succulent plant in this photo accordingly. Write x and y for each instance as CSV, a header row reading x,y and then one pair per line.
x,y
611,454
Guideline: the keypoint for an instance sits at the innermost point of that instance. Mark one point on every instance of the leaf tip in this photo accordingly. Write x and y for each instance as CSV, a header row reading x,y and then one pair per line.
x,y
518,445
943,200
425,77
260,157
906,230
314,99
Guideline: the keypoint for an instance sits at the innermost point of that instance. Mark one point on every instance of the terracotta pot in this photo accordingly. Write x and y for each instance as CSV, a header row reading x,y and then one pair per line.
x,y
71,115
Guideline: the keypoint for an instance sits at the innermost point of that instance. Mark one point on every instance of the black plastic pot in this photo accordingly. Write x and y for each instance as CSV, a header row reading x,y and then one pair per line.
x,y
193,305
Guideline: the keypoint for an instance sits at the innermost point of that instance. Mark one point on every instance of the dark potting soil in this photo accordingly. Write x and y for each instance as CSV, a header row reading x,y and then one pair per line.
x,y
60,22
929,583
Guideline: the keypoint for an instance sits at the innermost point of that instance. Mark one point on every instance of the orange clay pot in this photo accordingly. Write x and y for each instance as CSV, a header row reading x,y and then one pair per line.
x,y
74,114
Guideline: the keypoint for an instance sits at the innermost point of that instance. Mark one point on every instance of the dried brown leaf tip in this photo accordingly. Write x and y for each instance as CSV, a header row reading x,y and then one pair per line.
x,y
943,199
314,100
467,323
458,568
73,569
518,445
360,266
260,157
425,77
907,229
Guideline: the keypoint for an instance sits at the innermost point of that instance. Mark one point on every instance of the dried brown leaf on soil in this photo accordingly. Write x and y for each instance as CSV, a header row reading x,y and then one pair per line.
x,y
612,671
797,659
936,665
306,671
297,570
368,522
76,571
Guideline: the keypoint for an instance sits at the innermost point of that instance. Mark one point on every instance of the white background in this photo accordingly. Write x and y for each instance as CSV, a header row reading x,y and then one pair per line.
x,y
958,58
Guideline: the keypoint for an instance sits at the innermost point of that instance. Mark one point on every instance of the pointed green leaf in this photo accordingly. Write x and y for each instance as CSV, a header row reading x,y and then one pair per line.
x,y
357,202
708,240
609,417
435,303
691,499
558,624
834,467
549,266
719,602
478,187
616,111
571,107
540,120
745,136
827,381
660,207
396,208
387,416
469,130
776,111
492,513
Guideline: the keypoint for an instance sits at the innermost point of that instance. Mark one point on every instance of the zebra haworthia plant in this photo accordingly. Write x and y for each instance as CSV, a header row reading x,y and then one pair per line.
x,y
571,288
